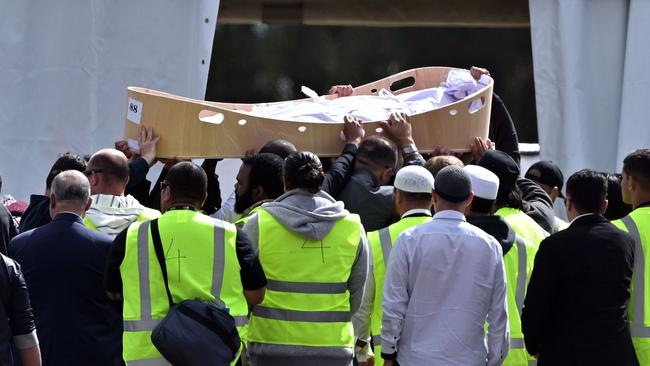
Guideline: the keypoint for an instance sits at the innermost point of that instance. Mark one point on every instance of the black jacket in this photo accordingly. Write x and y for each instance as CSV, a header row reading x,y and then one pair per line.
x,y
7,229
537,204
575,311
497,227
16,316
63,263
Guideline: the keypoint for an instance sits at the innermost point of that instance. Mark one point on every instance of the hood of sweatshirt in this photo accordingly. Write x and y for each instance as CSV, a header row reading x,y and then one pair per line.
x,y
497,227
112,214
308,214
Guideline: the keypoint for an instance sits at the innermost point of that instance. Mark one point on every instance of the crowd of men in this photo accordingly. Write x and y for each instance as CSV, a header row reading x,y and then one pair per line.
x,y
379,256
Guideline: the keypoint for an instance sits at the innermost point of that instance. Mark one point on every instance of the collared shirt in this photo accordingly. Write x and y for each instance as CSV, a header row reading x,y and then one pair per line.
x,y
579,216
417,212
445,279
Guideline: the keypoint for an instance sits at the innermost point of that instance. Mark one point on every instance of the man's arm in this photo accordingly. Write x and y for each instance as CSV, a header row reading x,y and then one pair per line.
x,y
537,203
399,129
252,276
338,175
395,299
497,318
539,296
112,276
361,319
502,129
21,317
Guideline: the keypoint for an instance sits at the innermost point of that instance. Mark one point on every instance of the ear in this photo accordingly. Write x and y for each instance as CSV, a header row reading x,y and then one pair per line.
x,y
604,207
258,193
469,200
285,182
568,203
52,201
88,204
555,193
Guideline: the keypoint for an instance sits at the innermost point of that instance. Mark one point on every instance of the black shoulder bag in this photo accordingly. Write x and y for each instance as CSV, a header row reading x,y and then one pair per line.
x,y
194,332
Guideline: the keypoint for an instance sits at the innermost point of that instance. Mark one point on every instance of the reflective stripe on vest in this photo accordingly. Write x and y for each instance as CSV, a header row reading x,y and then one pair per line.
x,y
517,343
386,244
376,340
637,328
522,275
307,287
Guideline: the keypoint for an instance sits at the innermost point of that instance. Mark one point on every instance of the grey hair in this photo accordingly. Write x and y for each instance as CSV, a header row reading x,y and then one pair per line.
x,y
71,185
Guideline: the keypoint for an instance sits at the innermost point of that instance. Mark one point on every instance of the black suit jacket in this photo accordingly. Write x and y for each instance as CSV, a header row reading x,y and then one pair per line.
x,y
63,263
575,312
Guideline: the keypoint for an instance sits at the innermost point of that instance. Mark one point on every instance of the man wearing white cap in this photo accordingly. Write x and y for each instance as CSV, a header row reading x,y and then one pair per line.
x,y
412,195
518,254
445,280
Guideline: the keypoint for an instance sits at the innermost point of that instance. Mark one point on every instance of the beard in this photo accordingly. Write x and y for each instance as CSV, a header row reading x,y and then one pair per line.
x,y
244,201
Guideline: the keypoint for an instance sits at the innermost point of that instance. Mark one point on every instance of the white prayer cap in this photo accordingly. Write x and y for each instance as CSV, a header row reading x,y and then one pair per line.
x,y
414,179
485,184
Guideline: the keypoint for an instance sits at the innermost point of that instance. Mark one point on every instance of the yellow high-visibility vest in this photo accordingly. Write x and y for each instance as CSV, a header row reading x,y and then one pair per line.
x,y
307,302
201,258
637,224
518,264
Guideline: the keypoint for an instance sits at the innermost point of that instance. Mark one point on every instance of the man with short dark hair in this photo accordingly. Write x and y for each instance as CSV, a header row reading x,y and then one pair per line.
x,y
575,311
259,180
38,211
445,279
368,193
636,191
63,263
111,211
206,259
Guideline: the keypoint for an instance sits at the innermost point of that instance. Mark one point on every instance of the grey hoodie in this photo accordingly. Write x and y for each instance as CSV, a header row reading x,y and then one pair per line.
x,y
313,216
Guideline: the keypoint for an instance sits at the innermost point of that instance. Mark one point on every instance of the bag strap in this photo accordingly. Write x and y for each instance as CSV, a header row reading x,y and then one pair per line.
x,y
160,254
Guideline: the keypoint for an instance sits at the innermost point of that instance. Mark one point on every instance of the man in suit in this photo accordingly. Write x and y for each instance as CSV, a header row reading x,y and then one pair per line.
x,y
575,311
63,263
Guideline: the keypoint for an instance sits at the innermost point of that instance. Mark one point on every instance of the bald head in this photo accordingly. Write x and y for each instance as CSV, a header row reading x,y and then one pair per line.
x,y
108,172
70,192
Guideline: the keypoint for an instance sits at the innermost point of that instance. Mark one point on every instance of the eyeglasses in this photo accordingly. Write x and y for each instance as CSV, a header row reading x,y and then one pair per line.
x,y
90,172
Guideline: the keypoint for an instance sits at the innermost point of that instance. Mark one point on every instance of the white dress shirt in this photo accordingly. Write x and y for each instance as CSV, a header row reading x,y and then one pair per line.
x,y
445,279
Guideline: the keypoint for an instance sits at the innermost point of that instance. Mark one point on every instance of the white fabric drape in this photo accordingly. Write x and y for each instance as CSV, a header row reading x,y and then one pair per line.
x,y
65,66
592,80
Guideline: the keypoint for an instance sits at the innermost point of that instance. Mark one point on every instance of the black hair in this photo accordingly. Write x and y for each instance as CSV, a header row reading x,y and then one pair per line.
x,y
377,153
637,165
417,196
266,171
587,189
187,181
65,161
482,205
303,169
281,148
616,208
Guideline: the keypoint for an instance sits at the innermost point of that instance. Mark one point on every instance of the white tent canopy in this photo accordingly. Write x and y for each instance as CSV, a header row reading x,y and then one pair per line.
x,y
591,80
65,66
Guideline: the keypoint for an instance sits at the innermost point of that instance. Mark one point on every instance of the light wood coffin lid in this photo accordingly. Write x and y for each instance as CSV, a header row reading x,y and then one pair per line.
x,y
184,134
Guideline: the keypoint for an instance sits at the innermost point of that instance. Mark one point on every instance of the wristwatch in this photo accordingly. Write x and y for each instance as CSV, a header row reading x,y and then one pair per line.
x,y
409,149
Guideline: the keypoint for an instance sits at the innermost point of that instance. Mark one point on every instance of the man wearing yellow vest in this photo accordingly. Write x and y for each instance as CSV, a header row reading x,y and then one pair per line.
x,y
517,254
315,255
111,211
636,191
206,259
412,195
